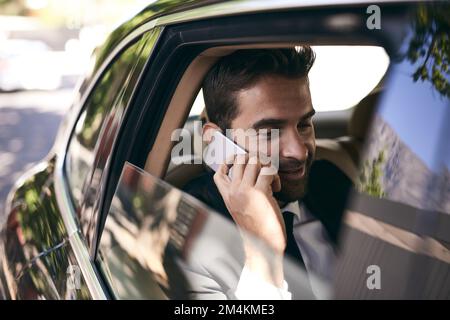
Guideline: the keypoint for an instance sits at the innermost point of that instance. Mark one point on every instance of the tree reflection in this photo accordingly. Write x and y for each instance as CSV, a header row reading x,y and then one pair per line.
x,y
430,46
370,179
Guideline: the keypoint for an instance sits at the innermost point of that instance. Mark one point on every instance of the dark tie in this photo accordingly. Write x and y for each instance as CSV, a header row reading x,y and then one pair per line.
x,y
291,247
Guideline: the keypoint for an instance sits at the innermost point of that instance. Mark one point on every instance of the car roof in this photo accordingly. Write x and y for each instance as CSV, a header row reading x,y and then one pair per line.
x,y
164,8
165,12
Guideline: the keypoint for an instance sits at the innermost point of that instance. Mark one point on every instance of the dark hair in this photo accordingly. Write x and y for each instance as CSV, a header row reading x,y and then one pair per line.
x,y
241,70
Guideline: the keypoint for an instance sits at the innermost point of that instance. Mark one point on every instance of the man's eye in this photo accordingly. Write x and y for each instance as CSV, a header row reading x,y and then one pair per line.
x,y
265,132
305,126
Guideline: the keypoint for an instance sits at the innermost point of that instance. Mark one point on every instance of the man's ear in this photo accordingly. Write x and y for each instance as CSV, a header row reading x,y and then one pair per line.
x,y
208,130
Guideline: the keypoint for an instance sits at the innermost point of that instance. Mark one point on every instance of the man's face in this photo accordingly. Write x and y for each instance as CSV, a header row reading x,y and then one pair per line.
x,y
277,102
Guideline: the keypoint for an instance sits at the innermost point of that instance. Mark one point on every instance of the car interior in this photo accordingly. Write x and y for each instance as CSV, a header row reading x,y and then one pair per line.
x,y
339,134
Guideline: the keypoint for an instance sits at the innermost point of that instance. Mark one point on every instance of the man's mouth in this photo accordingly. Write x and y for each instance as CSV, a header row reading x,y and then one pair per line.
x,y
293,173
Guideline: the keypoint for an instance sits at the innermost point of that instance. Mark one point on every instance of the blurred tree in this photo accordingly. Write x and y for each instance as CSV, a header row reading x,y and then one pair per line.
x,y
12,7
430,46
370,180
4,2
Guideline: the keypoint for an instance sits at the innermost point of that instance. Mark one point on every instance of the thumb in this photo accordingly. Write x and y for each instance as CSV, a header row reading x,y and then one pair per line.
x,y
276,183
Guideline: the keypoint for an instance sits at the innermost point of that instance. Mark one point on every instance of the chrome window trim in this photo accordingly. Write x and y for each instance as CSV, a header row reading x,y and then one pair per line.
x,y
68,214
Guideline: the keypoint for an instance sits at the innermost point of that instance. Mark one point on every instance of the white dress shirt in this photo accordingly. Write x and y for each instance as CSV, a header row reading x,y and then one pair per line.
x,y
317,253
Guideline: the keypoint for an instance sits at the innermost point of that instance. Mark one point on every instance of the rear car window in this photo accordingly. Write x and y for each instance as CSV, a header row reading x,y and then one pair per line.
x,y
108,92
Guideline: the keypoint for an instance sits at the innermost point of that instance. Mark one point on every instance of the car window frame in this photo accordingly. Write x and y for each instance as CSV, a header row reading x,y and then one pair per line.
x,y
140,130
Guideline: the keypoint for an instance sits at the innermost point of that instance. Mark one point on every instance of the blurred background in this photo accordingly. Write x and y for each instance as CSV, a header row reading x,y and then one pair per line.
x,y
45,46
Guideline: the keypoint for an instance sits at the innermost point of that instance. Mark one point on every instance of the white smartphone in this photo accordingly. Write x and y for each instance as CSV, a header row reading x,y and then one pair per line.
x,y
219,150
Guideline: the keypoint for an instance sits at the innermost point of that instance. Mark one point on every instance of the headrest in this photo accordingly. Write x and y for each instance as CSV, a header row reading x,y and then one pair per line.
x,y
362,114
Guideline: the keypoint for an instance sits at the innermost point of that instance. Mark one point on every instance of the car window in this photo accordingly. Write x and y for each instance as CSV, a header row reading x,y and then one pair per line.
x,y
398,221
165,235
107,95
361,71
360,68
174,243
157,240
405,150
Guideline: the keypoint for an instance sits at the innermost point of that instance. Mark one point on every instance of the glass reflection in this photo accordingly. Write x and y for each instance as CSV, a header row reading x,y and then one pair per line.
x,y
403,158
36,250
94,118
399,221
160,243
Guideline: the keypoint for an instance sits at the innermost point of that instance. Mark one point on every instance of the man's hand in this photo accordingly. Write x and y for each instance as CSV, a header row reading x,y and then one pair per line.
x,y
248,196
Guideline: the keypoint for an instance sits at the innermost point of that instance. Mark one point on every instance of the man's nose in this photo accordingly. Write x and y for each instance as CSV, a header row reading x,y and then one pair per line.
x,y
294,146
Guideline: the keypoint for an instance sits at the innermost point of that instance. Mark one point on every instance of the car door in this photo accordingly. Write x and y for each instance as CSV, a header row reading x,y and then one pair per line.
x,y
139,144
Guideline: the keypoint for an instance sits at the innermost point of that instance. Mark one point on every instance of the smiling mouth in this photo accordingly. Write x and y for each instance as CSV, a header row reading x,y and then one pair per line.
x,y
295,172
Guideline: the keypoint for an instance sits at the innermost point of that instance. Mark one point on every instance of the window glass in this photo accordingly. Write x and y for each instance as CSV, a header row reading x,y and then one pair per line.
x,y
397,227
107,93
343,75
404,151
340,77
160,243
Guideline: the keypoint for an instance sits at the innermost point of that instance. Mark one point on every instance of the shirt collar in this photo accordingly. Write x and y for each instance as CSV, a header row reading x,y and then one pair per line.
x,y
299,211
293,207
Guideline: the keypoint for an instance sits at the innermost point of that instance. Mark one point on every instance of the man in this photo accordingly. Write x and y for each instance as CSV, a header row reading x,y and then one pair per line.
x,y
269,89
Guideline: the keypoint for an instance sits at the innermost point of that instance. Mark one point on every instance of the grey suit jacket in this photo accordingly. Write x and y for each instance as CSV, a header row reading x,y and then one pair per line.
x,y
216,259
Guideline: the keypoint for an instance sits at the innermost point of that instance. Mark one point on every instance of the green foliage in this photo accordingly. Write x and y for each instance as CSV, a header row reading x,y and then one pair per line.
x,y
370,180
430,46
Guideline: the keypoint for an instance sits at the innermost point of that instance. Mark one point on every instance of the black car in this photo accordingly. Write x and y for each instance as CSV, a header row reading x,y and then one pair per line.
x,y
103,217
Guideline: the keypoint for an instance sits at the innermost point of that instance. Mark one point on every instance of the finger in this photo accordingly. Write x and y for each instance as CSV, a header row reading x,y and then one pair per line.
x,y
276,183
239,168
251,172
221,178
265,178
230,160
265,160
222,172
